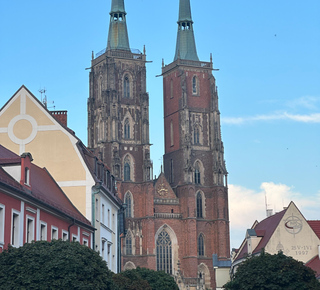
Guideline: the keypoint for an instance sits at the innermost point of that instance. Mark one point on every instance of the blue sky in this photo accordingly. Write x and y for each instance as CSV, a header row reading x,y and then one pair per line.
x,y
267,53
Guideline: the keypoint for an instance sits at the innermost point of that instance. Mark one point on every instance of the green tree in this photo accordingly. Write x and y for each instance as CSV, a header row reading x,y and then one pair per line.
x,y
274,272
53,265
145,279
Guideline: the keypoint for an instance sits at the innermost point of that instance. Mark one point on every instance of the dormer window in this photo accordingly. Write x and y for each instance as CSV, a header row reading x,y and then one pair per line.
x,y
27,176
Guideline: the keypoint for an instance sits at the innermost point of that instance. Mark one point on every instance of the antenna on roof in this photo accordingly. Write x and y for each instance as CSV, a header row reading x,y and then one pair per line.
x,y
44,99
269,212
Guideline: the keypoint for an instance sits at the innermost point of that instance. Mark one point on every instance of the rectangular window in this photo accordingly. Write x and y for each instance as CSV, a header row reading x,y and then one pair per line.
x,y
43,231
85,242
54,233
15,229
27,176
29,230
74,238
64,235
2,212
109,218
102,249
102,214
97,209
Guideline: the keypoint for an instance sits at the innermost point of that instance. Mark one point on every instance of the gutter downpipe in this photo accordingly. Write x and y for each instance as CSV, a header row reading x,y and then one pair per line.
x,y
95,190
69,227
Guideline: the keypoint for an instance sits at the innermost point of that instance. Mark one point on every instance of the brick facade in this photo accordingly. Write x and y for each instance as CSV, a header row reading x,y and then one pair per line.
x,y
179,220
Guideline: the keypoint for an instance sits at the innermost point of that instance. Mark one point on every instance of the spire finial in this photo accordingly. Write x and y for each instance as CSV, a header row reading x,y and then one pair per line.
x,y
92,56
186,45
118,33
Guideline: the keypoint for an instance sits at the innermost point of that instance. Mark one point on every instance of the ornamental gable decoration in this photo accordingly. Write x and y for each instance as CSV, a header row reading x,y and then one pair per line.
x,y
163,188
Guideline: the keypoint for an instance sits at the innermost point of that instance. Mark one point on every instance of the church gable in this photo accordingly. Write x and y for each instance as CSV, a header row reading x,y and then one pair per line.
x,y
294,236
163,188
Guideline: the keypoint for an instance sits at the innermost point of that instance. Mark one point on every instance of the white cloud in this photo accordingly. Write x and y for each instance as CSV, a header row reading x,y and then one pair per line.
x,y
307,102
306,118
247,205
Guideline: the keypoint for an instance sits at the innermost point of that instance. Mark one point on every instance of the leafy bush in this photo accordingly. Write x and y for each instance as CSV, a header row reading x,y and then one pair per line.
x,y
273,272
53,265
144,279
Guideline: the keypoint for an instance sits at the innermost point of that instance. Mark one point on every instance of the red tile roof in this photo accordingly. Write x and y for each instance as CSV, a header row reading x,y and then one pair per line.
x,y
264,229
315,225
314,264
44,188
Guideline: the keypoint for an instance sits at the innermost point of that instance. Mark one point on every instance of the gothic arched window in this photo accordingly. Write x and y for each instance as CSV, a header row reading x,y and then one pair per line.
x,y
164,252
127,129
196,135
194,85
201,245
199,205
128,203
128,244
171,133
126,87
126,169
197,175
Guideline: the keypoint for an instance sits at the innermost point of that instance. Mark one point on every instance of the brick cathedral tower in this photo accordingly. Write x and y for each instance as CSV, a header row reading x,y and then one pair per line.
x,y
118,104
194,161
178,222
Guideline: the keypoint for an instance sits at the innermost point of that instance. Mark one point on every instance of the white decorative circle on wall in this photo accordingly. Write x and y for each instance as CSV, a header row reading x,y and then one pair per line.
x,y
32,135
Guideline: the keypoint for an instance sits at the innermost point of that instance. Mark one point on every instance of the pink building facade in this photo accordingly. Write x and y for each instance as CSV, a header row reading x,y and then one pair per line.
x,y
33,207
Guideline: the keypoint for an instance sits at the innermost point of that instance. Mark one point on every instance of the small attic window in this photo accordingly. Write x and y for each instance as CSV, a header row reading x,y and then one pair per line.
x,y
27,176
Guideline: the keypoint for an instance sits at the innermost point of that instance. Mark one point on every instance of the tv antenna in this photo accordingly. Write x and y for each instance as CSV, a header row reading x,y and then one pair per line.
x,y
44,99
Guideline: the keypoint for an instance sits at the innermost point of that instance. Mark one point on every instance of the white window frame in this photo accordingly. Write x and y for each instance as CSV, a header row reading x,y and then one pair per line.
x,y
45,234
103,248
102,213
65,235
27,176
97,209
2,223
75,238
53,228
85,242
30,236
16,241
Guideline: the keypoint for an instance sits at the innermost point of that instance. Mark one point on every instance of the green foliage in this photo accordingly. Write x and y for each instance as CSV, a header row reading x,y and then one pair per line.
x,y
146,279
273,272
53,265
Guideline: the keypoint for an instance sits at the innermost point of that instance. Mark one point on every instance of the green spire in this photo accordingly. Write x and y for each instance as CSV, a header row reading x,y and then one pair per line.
x,y
186,45
118,33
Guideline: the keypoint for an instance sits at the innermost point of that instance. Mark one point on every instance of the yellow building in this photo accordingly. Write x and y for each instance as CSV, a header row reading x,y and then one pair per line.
x,y
27,126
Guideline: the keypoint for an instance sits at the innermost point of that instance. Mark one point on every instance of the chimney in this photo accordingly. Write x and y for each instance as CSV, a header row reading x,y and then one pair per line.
x,y
26,159
60,116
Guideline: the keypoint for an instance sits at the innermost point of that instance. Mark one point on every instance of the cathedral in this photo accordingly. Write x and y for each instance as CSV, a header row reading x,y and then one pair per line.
x,y
178,222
